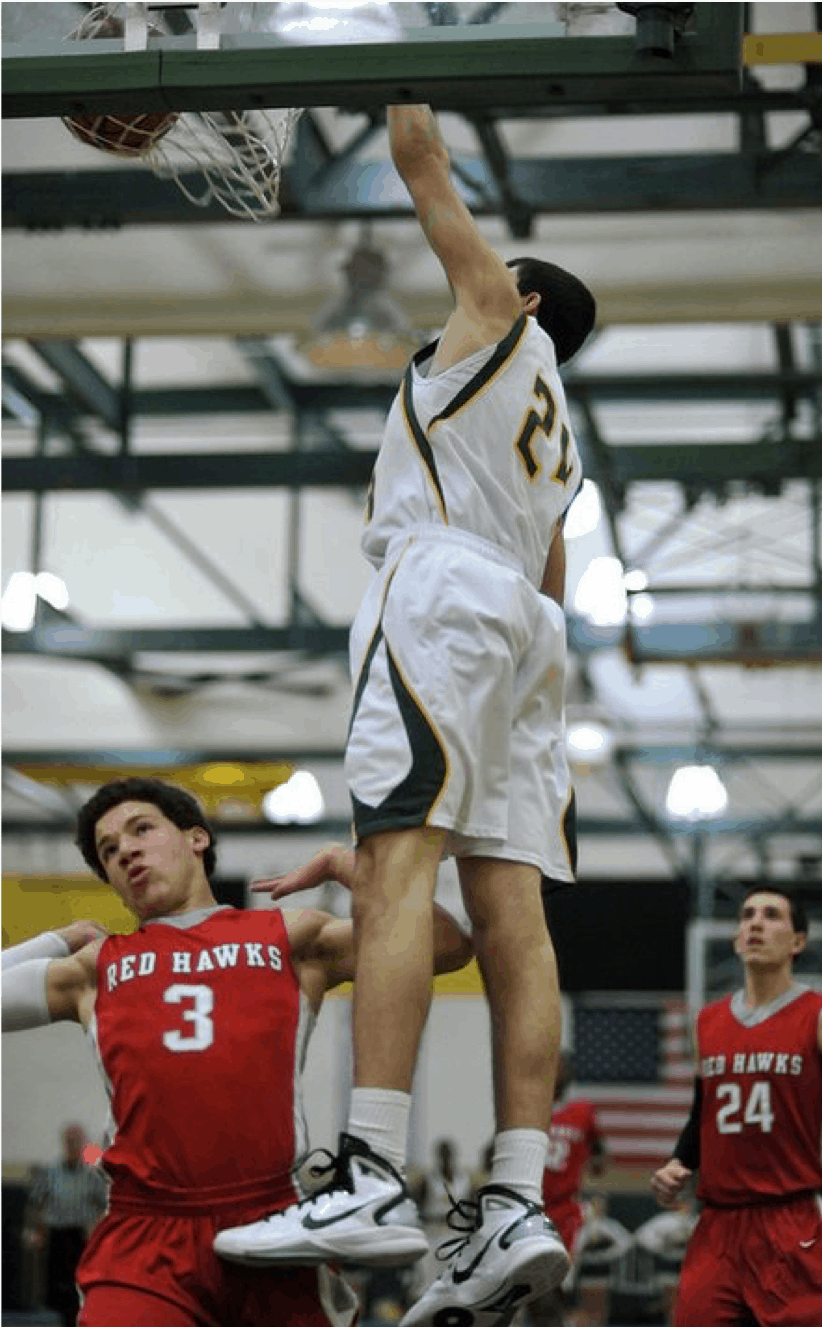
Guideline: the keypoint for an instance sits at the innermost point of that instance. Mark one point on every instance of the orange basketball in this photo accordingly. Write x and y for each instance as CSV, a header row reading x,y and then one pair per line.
x,y
125,135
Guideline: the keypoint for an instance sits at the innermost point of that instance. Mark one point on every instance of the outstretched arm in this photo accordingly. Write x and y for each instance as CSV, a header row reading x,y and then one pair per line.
x,y
318,937
334,862
480,281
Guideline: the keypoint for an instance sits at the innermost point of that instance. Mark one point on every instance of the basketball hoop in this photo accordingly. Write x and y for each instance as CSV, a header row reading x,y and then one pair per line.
x,y
233,158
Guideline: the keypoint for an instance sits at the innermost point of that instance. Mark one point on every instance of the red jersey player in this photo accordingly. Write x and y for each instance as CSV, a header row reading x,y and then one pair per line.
x,y
200,1020
754,1135
575,1144
574,1140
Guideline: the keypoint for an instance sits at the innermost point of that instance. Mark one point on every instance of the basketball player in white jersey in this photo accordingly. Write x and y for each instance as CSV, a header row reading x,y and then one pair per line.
x,y
456,745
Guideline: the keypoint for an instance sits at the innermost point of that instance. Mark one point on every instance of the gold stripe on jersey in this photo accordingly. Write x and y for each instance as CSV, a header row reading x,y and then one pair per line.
x,y
506,348
420,440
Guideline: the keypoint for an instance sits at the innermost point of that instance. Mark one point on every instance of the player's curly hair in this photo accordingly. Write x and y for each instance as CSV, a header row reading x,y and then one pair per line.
x,y
799,913
176,804
567,310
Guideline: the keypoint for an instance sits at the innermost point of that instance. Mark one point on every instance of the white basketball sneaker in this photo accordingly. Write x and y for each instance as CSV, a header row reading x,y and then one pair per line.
x,y
363,1215
511,1254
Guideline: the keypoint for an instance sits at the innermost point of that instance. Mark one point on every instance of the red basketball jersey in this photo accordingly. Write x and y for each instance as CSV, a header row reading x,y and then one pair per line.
x,y
572,1138
761,1122
201,1032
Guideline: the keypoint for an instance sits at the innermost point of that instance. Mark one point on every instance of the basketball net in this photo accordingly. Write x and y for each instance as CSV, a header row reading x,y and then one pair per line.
x,y
233,158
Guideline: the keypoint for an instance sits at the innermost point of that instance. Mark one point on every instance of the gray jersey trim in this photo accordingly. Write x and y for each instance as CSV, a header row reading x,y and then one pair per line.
x,y
185,920
750,1018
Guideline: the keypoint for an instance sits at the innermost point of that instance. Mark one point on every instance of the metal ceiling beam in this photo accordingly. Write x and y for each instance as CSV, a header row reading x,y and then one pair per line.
x,y
101,199
102,644
697,465
720,746
319,397
340,828
748,643
82,380
291,469
449,67
718,642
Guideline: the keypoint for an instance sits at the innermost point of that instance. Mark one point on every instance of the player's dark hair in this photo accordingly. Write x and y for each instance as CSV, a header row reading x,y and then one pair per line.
x,y
567,309
799,915
176,804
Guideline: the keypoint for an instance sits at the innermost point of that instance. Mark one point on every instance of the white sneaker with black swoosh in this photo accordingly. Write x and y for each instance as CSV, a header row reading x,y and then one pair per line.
x,y
510,1254
363,1216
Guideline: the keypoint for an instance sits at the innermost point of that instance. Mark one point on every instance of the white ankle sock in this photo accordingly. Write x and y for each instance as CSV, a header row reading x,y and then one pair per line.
x,y
519,1161
379,1117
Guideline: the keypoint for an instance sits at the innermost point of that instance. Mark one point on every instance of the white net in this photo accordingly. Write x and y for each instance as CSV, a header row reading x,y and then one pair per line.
x,y
233,158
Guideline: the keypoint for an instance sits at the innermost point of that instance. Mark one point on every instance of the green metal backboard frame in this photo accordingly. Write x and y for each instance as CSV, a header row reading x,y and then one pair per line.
x,y
452,68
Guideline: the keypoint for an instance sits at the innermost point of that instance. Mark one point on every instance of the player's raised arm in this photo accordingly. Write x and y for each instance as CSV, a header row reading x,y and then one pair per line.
x,y
333,863
481,283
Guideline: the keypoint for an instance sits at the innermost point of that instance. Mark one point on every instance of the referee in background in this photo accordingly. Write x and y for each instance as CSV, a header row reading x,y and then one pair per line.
x,y
67,1198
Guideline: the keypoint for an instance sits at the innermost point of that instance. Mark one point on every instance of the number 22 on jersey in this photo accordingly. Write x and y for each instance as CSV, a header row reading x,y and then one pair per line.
x,y
542,421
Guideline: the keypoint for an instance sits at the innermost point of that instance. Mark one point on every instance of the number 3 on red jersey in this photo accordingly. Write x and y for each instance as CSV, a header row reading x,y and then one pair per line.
x,y
201,1032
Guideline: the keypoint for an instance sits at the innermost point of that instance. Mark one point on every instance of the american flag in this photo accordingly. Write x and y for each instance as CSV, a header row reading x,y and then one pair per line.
x,y
636,1065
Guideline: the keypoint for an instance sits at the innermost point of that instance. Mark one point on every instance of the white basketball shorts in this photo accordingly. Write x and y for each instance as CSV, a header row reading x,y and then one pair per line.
x,y
458,665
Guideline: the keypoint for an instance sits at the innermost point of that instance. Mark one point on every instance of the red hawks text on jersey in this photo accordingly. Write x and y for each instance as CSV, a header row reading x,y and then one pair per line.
x,y
201,1032
761,1119
572,1137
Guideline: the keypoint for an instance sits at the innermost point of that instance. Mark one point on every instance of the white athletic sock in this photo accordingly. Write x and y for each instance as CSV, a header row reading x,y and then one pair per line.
x,y
519,1161
379,1117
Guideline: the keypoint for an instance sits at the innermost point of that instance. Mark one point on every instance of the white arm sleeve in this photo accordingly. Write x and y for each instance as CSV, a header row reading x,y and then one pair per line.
x,y
25,1000
47,945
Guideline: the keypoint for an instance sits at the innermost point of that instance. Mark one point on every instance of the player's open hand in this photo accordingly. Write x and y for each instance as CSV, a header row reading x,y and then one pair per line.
x,y
334,862
79,934
669,1181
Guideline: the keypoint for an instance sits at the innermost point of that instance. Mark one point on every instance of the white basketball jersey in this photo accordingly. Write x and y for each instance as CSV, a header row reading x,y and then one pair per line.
x,y
485,446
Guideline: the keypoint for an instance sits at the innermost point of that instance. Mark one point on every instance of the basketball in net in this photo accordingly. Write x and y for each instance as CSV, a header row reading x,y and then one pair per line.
x,y
233,158
125,135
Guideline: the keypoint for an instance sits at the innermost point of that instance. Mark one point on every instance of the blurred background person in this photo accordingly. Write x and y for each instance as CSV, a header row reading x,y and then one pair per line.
x,y
446,1182
665,1237
67,1199
576,1152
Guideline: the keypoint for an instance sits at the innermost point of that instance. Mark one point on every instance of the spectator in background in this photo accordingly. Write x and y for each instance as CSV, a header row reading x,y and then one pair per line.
x,y
665,1237
67,1198
444,1184
482,1174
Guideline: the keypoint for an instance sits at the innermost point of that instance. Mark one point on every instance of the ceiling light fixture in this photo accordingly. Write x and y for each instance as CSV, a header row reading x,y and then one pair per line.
x,y
696,792
588,743
298,801
19,601
584,512
326,22
600,595
363,329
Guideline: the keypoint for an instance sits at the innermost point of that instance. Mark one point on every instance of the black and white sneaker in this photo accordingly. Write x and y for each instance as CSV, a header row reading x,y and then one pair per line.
x,y
509,1253
363,1216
